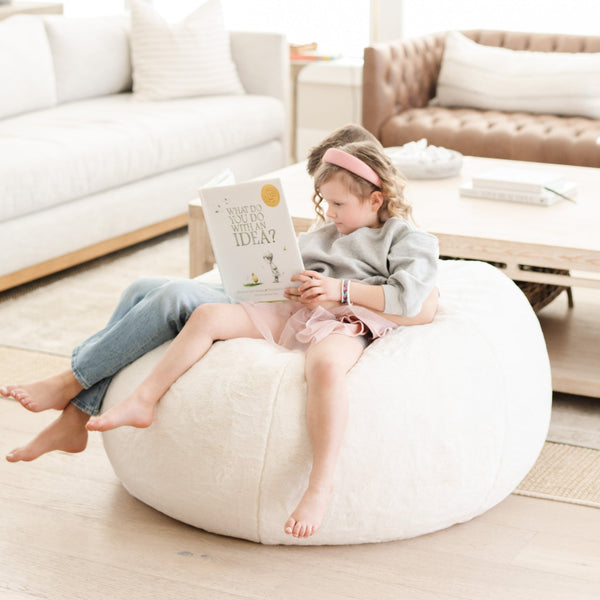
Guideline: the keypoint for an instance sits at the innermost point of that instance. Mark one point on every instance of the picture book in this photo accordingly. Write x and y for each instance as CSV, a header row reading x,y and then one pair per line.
x,y
253,238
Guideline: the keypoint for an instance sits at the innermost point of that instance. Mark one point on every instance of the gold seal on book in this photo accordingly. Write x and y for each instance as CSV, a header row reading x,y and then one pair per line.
x,y
270,195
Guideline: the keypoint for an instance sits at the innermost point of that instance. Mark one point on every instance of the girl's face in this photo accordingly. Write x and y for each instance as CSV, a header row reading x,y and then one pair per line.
x,y
348,211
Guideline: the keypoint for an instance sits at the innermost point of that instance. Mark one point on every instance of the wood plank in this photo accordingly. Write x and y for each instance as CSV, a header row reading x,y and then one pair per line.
x,y
573,341
70,530
570,556
545,516
516,254
43,574
182,554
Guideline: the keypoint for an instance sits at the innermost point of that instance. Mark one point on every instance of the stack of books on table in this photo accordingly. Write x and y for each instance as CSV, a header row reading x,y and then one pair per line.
x,y
513,184
308,52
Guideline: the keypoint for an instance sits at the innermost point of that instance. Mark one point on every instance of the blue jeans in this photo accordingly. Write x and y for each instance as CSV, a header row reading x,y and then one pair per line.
x,y
150,312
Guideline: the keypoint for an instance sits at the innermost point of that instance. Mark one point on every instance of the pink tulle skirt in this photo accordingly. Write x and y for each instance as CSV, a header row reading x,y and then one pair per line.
x,y
294,326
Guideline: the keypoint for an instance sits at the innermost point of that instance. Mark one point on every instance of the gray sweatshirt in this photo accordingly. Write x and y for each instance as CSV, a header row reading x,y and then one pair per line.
x,y
398,256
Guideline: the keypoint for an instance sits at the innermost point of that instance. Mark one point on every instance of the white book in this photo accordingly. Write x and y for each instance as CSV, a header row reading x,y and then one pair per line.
x,y
253,238
518,179
566,190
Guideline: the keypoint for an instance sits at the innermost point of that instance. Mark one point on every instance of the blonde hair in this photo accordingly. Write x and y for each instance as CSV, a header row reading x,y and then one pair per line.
x,y
338,137
392,183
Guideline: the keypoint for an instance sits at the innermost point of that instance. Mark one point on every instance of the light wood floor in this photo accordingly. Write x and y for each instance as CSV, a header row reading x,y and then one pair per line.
x,y
68,530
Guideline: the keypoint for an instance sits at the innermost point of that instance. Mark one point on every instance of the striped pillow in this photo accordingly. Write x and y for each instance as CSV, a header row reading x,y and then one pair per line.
x,y
190,58
486,77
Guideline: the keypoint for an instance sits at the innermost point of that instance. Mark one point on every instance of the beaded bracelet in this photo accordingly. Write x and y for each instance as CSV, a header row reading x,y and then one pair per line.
x,y
346,291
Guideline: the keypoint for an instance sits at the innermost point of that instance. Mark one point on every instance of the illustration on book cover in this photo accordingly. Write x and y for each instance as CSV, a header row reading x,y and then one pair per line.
x,y
253,238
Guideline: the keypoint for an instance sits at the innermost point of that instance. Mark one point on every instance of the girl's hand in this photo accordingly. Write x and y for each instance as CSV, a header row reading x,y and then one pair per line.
x,y
315,289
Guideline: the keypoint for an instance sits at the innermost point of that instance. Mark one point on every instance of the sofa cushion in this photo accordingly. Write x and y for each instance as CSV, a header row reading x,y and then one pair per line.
x,y
477,76
190,58
495,134
26,71
73,150
91,56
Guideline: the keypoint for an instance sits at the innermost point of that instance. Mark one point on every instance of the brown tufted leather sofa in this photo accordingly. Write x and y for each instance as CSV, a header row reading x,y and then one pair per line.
x,y
399,80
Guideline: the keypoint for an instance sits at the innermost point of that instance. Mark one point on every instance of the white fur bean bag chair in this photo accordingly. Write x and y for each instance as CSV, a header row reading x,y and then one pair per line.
x,y
445,421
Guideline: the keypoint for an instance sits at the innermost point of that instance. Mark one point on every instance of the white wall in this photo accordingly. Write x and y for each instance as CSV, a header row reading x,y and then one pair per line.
x,y
346,26
338,26
575,16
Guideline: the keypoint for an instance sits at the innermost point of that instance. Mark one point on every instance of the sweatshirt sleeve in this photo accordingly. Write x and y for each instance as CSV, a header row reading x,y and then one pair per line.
x,y
413,267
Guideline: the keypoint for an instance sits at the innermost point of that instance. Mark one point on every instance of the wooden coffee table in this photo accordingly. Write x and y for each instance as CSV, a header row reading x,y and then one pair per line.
x,y
563,236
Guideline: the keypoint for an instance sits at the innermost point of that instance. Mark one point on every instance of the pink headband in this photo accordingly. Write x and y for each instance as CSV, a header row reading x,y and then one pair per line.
x,y
351,163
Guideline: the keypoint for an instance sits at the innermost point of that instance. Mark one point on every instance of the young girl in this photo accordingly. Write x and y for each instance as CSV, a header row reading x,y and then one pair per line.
x,y
151,311
369,270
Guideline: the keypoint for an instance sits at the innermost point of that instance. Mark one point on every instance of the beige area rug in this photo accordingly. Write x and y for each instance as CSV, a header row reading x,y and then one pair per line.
x,y
41,322
19,366
55,314
566,474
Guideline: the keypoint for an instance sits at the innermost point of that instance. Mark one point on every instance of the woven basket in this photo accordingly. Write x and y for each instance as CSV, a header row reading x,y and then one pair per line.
x,y
541,294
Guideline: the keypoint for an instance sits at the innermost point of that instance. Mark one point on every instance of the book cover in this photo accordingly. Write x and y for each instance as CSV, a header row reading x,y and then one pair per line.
x,y
253,238
516,179
545,197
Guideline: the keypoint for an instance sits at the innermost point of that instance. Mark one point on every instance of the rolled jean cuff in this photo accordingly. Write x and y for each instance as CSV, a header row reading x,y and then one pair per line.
x,y
77,373
84,407
90,401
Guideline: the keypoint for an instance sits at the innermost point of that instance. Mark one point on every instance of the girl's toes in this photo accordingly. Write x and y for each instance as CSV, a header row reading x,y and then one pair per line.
x,y
289,526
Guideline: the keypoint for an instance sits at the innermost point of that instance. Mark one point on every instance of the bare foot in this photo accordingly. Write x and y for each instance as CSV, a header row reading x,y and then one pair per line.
x,y
66,433
53,392
306,519
134,411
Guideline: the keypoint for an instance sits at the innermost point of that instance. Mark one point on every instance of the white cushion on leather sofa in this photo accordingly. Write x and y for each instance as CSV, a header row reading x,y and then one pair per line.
x,y
26,70
72,150
478,76
91,56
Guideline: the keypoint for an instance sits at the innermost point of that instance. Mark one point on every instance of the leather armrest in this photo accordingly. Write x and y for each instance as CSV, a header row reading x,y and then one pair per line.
x,y
399,75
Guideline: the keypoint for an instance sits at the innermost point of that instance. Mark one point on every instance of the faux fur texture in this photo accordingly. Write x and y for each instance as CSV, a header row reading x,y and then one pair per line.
x,y
445,421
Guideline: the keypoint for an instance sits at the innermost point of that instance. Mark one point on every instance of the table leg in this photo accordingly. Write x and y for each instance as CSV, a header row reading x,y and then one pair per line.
x,y
202,258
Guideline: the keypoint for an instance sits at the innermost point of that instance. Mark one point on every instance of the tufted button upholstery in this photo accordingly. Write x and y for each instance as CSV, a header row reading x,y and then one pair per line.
x,y
399,82
494,134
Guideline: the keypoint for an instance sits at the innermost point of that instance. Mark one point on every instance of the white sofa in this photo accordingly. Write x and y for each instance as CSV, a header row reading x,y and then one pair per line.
x,y
86,167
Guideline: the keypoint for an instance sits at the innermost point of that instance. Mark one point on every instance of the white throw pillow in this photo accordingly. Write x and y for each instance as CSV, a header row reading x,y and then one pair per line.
x,y
190,58
26,71
486,77
91,56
